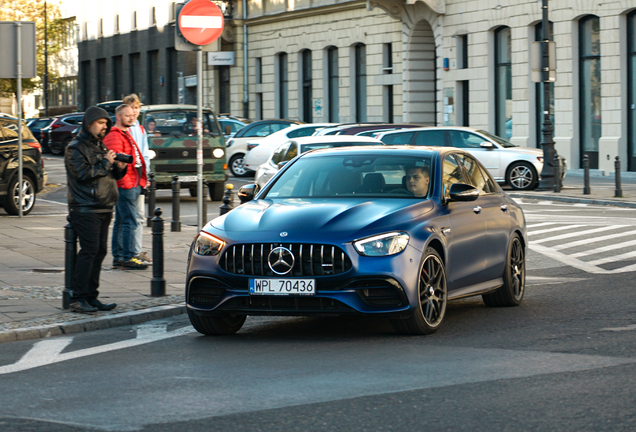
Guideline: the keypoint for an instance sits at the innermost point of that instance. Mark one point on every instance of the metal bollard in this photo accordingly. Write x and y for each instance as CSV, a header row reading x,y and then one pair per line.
x,y
228,199
70,255
151,198
175,225
205,204
557,172
586,175
158,282
617,172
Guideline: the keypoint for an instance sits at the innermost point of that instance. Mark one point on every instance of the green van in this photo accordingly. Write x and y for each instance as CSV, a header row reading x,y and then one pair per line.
x,y
172,141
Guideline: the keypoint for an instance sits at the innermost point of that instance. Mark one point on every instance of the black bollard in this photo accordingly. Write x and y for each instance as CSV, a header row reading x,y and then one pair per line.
x,y
152,189
228,199
557,173
586,175
617,172
204,208
70,255
175,225
158,282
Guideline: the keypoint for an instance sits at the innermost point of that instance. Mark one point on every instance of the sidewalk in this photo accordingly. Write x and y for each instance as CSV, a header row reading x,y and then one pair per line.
x,y
32,268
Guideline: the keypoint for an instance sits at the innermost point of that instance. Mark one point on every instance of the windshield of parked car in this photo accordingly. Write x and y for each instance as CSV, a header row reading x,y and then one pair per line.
x,y
351,176
502,142
180,122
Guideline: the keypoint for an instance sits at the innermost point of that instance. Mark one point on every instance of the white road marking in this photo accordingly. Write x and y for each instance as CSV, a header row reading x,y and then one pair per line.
x,y
560,228
617,329
578,233
573,262
615,258
48,352
598,250
540,225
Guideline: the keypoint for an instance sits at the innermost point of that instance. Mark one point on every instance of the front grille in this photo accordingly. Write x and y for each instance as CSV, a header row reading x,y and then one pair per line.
x,y
380,292
309,259
205,291
285,304
177,168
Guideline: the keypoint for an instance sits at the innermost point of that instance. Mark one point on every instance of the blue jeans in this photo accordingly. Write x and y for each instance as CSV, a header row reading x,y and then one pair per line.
x,y
125,225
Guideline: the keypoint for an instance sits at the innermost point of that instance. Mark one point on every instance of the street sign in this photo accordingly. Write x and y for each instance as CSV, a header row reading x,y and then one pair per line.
x,y
201,22
8,49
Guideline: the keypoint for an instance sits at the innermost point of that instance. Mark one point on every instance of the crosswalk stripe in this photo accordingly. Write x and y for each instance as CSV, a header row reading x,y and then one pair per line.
x,y
614,258
560,228
540,225
578,233
601,249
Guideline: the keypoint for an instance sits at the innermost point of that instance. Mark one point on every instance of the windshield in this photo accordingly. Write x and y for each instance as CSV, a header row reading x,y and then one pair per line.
x,y
502,142
350,176
179,122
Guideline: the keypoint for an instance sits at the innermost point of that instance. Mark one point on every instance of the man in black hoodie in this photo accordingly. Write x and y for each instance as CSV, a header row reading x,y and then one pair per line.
x,y
92,174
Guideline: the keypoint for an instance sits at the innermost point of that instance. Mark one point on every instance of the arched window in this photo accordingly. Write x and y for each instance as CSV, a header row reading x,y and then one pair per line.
x,y
332,84
503,83
631,82
590,87
361,82
540,94
282,86
306,90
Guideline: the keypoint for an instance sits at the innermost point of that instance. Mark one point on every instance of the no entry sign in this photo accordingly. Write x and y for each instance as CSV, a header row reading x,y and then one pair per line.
x,y
201,22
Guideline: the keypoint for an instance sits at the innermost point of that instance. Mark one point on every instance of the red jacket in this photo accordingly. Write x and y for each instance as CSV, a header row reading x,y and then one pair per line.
x,y
121,142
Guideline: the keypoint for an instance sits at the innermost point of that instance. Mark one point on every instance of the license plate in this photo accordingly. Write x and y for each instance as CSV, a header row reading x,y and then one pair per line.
x,y
282,286
188,179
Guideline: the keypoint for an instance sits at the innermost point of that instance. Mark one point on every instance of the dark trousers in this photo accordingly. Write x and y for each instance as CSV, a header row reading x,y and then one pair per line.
x,y
92,232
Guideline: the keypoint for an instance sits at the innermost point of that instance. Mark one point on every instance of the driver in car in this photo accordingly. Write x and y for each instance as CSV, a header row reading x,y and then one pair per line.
x,y
417,179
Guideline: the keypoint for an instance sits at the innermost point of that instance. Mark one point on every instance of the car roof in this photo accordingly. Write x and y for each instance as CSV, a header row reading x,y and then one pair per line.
x,y
398,150
464,128
333,138
165,107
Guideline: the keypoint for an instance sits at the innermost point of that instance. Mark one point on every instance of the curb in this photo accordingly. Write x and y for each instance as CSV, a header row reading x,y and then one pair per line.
x,y
569,199
91,324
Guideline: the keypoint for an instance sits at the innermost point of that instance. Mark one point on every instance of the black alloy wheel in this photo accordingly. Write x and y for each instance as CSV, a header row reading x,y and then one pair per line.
x,y
512,291
433,297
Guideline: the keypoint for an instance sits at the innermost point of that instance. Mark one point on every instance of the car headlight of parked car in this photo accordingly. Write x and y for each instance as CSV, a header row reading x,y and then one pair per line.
x,y
217,153
383,244
207,244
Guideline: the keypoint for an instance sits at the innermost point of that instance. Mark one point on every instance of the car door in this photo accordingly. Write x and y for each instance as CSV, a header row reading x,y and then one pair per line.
x,y
471,142
495,214
465,234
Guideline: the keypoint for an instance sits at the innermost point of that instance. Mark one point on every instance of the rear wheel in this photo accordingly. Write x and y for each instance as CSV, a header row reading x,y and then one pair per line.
x,y
432,294
216,325
55,149
521,176
511,292
11,204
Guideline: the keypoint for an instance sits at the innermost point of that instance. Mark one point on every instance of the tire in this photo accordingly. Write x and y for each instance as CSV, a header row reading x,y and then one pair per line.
x,y
521,176
216,191
514,277
13,193
236,165
193,192
216,325
56,150
432,295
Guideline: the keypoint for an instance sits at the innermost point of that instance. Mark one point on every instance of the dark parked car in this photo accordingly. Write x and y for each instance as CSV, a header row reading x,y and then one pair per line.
x,y
36,126
61,130
33,174
337,231
110,106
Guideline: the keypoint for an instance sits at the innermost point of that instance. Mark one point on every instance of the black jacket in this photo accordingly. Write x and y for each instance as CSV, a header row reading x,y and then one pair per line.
x,y
91,178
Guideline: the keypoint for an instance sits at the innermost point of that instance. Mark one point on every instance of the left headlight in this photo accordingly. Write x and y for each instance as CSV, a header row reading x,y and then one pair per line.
x,y
151,154
383,244
207,244
218,153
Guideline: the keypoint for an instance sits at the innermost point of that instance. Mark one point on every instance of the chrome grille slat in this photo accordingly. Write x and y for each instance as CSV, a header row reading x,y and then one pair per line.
x,y
250,259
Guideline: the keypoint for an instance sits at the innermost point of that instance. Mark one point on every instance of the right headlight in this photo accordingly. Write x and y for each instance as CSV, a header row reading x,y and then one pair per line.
x,y
207,244
383,244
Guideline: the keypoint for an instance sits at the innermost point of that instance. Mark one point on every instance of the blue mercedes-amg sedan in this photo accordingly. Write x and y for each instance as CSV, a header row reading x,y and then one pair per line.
x,y
394,232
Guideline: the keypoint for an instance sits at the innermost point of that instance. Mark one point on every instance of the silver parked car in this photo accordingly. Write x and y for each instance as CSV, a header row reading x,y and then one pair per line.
x,y
519,167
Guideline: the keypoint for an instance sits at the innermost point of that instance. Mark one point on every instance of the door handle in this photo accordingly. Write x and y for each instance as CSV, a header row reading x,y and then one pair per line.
x,y
477,209
504,208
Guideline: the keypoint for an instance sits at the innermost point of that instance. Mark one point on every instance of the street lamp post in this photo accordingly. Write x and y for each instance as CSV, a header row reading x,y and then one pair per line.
x,y
46,65
548,180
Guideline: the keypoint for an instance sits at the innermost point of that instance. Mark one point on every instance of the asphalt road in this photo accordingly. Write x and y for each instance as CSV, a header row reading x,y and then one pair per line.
x,y
564,360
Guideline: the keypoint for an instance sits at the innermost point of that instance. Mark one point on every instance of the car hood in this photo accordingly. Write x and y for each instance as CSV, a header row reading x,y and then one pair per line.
x,y
525,150
313,220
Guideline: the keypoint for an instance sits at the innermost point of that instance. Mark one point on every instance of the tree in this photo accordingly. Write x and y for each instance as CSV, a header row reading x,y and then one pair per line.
x,y
33,10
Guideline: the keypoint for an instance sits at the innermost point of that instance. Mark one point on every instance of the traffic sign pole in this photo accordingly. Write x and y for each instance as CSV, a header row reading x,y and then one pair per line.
x,y
18,38
200,196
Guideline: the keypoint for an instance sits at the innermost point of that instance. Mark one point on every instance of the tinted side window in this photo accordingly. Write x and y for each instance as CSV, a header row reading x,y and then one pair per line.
x,y
435,138
451,173
462,139
398,138
301,132
278,155
292,152
474,174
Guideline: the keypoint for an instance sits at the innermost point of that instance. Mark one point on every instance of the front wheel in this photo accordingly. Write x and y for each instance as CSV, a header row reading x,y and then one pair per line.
x,y
514,277
237,165
521,176
432,295
216,325
11,204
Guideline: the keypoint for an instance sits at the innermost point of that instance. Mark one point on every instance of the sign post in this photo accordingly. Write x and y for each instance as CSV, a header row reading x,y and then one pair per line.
x,y
21,35
201,23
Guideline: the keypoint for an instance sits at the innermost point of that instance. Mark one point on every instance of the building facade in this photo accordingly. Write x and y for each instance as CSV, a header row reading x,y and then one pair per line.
x,y
437,62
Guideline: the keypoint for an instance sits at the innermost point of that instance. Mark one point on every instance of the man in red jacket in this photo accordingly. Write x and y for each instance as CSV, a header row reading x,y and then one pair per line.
x,y
120,141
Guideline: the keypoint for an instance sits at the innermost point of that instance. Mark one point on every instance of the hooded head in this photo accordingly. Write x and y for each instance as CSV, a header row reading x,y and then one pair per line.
x,y
95,113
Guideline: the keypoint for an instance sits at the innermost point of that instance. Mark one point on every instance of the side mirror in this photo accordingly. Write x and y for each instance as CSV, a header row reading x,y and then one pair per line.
x,y
228,129
282,164
248,192
463,192
487,145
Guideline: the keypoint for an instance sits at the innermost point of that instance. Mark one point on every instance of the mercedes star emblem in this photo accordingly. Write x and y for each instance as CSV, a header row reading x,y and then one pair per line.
x,y
281,260
283,234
